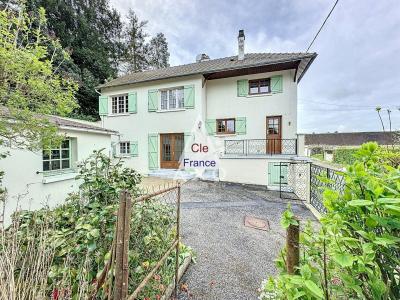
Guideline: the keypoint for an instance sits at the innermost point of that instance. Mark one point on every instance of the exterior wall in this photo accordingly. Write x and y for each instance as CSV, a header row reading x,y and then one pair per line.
x,y
27,186
247,170
223,102
137,126
214,99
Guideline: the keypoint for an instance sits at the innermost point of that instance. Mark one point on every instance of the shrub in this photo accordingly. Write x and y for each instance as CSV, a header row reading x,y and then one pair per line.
x,y
356,253
344,156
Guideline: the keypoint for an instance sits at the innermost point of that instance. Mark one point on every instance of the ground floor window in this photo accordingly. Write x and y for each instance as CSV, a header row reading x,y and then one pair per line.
x,y
124,148
57,158
225,126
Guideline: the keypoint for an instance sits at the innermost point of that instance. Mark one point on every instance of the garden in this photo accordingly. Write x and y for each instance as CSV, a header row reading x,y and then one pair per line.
x,y
60,253
355,252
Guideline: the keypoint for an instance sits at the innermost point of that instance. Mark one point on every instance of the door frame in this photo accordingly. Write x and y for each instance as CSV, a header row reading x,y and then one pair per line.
x,y
173,164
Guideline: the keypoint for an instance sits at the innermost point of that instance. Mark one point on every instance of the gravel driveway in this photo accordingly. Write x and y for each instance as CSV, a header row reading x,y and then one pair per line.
x,y
232,259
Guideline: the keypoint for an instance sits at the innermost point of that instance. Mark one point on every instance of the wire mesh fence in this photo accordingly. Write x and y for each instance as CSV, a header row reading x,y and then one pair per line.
x,y
144,256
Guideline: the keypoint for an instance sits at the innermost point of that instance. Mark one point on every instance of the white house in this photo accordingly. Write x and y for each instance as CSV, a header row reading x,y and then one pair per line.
x,y
246,104
34,179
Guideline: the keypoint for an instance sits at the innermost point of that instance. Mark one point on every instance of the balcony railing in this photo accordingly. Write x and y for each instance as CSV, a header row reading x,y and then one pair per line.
x,y
261,147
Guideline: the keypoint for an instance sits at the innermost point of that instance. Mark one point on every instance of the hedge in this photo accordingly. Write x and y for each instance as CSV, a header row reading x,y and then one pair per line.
x,y
344,156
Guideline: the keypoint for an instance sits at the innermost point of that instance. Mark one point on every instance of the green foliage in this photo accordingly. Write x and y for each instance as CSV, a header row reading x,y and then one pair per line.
x,y
344,156
355,254
288,218
30,87
82,232
319,156
103,179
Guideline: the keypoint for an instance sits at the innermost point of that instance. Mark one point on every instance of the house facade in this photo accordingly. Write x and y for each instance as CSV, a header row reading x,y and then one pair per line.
x,y
243,108
36,179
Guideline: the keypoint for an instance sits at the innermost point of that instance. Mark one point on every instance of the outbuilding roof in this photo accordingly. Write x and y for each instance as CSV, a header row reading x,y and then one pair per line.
x,y
81,125
350,138
205,67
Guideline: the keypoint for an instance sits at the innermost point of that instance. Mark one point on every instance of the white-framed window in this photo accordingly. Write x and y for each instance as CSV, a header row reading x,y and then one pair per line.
x,y
172,99
56,159
124,148
119,104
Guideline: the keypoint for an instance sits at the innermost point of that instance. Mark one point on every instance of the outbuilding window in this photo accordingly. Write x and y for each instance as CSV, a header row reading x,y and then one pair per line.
x,y
260,86
57,158
124,148
225,126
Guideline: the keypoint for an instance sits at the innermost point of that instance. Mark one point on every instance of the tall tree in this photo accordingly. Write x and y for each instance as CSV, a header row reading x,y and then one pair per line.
x,y
30,83
135,58
157,54
92,31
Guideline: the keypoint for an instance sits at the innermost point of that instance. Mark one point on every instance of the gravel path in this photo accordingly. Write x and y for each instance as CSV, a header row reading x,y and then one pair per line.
x,y
232,259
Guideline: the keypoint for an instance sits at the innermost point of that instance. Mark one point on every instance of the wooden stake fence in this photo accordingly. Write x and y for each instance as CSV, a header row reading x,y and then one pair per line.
x,y
292,248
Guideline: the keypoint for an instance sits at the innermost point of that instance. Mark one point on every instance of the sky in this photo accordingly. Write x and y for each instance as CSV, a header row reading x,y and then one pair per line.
x,y
358,63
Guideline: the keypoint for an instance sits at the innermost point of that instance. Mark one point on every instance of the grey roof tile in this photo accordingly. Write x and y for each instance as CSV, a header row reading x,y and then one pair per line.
x,y
216,65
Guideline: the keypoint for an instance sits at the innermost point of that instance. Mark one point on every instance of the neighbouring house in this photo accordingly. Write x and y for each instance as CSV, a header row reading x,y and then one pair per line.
x,y
246,104
35,179
326,143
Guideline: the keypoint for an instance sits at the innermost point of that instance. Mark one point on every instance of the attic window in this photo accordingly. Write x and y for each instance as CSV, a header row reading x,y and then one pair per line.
x,y
119,104
259,86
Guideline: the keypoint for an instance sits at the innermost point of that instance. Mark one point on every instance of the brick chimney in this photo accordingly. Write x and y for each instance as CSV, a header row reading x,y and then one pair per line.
x,y
241,45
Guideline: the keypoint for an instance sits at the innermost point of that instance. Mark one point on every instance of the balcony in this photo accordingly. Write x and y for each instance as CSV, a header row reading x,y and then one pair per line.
x,y
254,147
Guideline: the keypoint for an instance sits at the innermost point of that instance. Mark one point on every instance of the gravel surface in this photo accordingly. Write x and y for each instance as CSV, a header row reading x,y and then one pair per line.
x,y
232,259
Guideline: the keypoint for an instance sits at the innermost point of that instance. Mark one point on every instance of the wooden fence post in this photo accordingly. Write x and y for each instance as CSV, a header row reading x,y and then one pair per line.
x,y
178,220
292,248
122,247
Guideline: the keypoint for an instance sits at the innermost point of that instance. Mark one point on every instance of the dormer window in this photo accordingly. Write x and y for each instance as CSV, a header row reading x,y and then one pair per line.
x,y
119,104
259,86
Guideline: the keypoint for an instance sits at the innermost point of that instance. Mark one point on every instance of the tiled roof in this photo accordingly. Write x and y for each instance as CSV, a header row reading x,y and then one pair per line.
x,y
66,122
216,65
350,138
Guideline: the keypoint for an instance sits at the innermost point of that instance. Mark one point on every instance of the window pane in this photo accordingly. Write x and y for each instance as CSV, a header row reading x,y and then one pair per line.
x,y
65,164
164,100
230,125
127,148
180,97
55,165
122,148
121,104
46,166
253,87
114,105
65,154
172,99
46,154
65,144
55,154
264,89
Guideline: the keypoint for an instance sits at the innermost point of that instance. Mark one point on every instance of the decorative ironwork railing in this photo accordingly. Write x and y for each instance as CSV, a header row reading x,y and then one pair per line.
x,y
261,147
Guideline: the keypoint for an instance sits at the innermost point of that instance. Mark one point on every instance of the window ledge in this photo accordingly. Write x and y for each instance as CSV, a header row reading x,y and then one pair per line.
x,y
170,110
225,134
123,156
50,177
120,115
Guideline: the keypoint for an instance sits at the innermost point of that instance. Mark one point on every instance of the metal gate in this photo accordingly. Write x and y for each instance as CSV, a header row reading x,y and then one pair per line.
x,y
293,180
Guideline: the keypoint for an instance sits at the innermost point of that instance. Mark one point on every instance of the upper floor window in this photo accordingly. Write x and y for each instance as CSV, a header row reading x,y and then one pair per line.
x,y
119,104
124,148
57,158
172,99
259,86
225,126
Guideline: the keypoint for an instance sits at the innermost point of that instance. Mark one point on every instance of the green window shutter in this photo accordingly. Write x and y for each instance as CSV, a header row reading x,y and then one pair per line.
x,y
103,105
275,171
114,149
132,102
276,84
153,151
153,100
134,148
240,125
242,87
211,126
188,93
188,141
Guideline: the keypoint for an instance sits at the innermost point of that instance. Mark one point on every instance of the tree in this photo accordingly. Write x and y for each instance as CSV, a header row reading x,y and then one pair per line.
x,y
135,58
158,55
30,83
92,31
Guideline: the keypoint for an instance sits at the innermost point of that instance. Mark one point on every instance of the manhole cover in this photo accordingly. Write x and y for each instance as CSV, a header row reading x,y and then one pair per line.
x,y
256,223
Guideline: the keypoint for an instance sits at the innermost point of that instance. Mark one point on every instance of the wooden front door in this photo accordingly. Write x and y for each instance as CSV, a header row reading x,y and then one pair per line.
x,y
274,135
171,150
